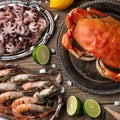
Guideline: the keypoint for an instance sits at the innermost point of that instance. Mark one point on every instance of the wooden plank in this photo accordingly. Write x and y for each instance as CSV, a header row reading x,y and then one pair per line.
x,y
28,62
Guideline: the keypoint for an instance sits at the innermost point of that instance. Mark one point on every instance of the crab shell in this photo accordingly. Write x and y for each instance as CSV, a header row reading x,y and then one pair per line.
x,y
98,36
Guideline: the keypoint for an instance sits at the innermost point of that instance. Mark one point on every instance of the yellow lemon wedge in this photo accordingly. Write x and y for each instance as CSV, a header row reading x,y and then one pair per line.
x,y
60,4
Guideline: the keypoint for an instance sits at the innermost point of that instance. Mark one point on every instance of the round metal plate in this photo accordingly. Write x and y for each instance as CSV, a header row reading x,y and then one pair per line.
x,y
43,40
84,74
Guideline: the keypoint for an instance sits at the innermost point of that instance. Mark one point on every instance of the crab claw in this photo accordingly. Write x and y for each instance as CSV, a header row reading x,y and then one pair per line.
x,y
67,43
105,72
75,15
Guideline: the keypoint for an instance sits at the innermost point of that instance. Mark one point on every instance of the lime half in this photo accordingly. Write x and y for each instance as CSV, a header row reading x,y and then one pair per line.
x,y
74,105
91,108
41,54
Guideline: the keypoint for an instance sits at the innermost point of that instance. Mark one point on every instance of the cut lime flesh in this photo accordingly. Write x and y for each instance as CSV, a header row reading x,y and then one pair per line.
x,y
73,105
41,54
91,108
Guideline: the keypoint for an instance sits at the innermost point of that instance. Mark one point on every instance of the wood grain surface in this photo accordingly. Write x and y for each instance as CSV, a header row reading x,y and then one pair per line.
x,y
73,90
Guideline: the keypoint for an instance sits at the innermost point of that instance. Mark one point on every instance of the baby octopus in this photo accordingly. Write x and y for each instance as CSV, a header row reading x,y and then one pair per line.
x,y
20,28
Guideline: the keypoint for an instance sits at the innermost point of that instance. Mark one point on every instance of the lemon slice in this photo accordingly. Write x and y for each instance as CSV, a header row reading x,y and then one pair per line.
x,y
41,54
91,108
74,105
60,4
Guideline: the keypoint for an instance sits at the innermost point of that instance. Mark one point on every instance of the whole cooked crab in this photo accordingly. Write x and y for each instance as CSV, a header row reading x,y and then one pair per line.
x,y
98,34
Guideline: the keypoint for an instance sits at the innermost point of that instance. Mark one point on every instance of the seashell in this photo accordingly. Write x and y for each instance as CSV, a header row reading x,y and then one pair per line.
x,y
59,79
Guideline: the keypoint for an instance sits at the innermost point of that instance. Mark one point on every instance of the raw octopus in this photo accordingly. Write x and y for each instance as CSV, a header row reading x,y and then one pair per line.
x,y
20,28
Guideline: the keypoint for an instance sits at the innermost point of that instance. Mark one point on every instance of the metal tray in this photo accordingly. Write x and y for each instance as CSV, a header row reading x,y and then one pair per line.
x,y
43,40
84,74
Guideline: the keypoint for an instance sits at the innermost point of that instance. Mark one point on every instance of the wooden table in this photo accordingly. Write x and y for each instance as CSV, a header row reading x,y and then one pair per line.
x,y
73,90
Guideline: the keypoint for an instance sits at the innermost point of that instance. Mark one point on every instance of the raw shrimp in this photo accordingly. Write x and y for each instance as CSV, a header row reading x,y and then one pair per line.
x,y
8,86
24,77
23,100
45,92
5,66
37,84
6,101
7,97
5,74
8,71
32,110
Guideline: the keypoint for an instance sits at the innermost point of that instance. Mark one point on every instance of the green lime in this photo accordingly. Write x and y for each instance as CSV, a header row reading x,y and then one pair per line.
x,y
74,105
41,54
91,108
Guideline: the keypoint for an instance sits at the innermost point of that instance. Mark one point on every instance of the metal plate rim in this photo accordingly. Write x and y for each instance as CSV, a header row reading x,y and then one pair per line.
x,y
69,76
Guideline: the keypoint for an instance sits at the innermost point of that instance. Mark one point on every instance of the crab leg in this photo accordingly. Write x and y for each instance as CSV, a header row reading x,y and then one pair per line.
x,y
105,72
96,12
67,43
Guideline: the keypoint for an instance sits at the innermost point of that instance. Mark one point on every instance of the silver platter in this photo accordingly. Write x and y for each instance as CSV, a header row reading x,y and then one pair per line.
x,y
43,40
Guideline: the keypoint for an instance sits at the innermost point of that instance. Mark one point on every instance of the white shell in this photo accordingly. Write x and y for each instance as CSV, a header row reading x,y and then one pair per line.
x,y
69,83
52,50
62,90
53,65
46,1
117,103
43,70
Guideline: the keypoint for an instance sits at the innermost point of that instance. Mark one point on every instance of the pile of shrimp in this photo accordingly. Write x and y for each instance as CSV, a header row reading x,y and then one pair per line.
x,y
25,95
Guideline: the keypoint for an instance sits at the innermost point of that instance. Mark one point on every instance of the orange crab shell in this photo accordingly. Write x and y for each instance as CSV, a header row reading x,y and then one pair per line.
x,y
101,37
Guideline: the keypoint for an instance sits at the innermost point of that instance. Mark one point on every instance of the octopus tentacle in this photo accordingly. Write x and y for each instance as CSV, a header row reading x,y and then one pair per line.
x,y
20,27
43,24
33,26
